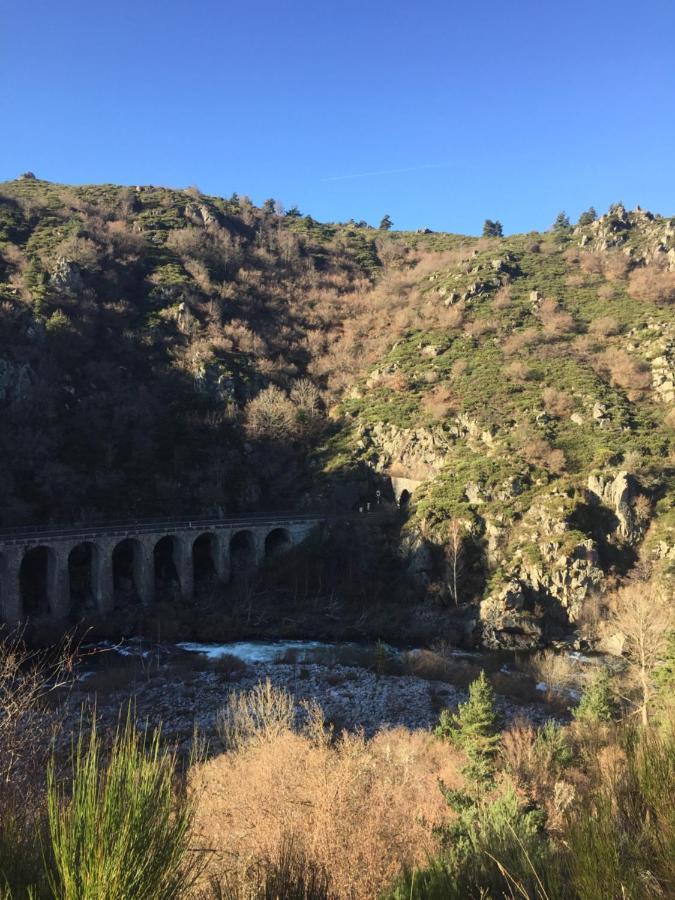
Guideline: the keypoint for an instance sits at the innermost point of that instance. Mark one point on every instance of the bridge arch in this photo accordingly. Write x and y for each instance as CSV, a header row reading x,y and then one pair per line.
x,y
242,552
37,582
277,541
83,565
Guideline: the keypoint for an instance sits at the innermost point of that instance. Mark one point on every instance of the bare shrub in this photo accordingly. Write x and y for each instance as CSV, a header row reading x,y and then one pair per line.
x,y
574,279
459,367
306,398
615,266
440,402
479,328
591,263
642,508
605,292
605,326
518,371
261,714
538,452
430,262
30,684
502,299
555,670
360,810
453,316
557,403
626,372
653,284
271,415
82,251
556,321
520,341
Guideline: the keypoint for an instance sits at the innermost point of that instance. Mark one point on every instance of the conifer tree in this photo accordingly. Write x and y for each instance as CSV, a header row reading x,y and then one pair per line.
x,y
562,222
492,229
475,729
587,217
597,703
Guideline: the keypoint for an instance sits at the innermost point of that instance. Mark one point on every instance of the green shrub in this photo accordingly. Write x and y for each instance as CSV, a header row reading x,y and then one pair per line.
x,y
495,849
622,839
475,729
118,832
597,703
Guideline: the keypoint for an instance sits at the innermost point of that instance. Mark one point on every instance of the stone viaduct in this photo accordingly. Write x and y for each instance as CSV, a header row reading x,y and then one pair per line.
x,y
41,569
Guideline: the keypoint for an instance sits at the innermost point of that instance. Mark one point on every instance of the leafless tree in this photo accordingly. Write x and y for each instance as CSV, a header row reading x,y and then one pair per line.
x,y
643,612
271,415
30,682
454,551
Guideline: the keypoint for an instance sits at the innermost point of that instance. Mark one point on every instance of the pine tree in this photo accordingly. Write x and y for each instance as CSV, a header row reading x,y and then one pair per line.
x,y
562,222
597,703
492,229
386,223
587,217
475,729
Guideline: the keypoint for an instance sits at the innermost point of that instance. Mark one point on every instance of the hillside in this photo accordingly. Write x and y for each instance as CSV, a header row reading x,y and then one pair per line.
x,y
162,351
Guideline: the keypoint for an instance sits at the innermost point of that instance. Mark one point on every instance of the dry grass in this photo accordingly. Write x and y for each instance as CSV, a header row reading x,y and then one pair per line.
x,y
359,810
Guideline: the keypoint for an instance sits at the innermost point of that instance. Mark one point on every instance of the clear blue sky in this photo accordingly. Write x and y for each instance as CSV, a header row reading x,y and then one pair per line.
x,y
510,110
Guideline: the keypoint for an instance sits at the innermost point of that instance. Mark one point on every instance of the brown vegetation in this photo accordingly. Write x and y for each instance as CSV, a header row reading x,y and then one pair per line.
x,y
360,810
652,283
625,371
557,402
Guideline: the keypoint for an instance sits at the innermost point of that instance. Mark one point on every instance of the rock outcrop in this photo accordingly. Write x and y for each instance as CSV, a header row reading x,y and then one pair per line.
x,y
16,382
616,492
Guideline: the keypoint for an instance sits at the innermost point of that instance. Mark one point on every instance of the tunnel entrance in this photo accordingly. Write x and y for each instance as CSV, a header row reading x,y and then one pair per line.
x,y
124,572
203,555
81,562
167,581
277,542
404,499
35,578
242,553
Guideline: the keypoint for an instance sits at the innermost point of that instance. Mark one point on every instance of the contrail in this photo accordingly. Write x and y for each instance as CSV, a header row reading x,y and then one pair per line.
x,y
386,172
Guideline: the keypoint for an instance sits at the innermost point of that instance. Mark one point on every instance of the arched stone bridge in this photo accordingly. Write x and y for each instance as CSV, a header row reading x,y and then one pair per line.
x,y
42,569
